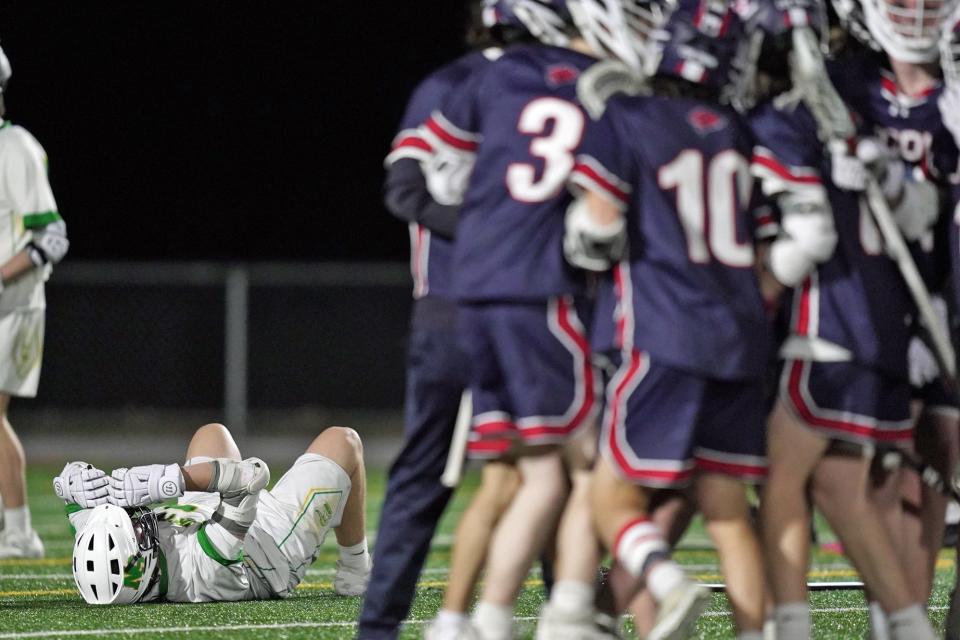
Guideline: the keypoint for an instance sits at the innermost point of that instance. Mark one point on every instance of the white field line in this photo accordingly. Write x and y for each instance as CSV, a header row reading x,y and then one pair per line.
x,y
317,625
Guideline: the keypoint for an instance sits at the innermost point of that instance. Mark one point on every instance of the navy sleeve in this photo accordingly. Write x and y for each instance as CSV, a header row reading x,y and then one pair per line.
x,y
407,198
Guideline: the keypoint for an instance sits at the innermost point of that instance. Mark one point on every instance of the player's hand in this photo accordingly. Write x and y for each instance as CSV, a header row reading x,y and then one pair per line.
x,y
922,364
83,484
889,171
138,486
847,171
589,244
447,174
949,103
234,480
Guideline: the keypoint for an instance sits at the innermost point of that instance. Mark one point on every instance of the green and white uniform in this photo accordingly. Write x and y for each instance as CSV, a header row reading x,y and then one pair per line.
x,y
26,202
202,562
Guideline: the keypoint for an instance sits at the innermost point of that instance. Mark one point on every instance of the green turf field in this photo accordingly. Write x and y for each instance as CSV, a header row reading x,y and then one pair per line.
x,y
38,600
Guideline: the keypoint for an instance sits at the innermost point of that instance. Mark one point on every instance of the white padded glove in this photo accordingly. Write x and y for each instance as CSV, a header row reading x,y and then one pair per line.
x,y
233,480
83,484
846,170
922,364
138,486
588,244
447,174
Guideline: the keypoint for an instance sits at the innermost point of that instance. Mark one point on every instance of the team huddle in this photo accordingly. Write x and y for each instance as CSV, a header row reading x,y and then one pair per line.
x,y
672,250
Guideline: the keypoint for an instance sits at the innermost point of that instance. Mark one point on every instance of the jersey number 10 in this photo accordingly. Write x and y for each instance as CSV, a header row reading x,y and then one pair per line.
x,y
709,199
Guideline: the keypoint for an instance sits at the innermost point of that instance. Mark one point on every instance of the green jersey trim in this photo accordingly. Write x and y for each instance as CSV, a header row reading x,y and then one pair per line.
x,y
4,124
163,574
40,219
204,540
71,508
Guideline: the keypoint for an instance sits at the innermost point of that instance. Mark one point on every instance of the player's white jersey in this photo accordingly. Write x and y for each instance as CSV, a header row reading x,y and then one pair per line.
x,y
26,201
201,561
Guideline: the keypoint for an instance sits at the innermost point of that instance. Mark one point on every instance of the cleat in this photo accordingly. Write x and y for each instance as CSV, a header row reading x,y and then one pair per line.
x,y
20,545
464,630
679,612
556,624
351,581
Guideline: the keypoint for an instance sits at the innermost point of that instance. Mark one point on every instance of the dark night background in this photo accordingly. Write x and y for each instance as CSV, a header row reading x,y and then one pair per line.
x,y
223,130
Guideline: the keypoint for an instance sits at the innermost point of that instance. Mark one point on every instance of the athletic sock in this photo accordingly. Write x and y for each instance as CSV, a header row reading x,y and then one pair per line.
x,y
17,519
769,629
910,623
643,552
493,620
750,635
447,619
572,596
355,556
792,620
879,624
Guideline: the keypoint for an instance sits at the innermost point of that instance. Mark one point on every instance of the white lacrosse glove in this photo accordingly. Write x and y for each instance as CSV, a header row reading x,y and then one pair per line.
x,y
846,170
949,103
138,486
589,244
83,484
921,363
889,171
234,480
808,236
447,174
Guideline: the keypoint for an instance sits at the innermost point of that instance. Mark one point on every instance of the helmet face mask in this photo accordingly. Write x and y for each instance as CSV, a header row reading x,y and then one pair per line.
x,y
5,72
620,29
115,556
908,30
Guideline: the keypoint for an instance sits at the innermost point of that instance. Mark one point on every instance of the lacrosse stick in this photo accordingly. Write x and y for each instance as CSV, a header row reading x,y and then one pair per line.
x,y
453,471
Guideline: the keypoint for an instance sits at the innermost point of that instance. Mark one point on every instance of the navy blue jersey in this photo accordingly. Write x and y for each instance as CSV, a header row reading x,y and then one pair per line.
x,y
431,254
688,292
521,119
857,299
912,129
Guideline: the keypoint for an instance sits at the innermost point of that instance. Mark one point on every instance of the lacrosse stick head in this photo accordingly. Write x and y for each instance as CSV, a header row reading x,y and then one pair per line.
x,y
548,21
622,29
908,30
115,556
852,19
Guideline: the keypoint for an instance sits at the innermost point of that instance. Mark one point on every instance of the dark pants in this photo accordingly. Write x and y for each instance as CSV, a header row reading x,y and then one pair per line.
x,y
415,500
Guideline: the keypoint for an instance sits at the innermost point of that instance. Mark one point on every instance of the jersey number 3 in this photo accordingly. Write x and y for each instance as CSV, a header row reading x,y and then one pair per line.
x,y
708,201
553,144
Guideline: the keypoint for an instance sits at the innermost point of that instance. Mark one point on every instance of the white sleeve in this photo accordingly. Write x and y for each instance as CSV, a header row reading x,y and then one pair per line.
x,y
209,566
25,181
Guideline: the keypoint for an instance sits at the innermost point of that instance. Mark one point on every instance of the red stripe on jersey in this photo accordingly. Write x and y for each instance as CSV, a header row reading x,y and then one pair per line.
x,y
783,171
449,138
413,142
594,176
731,469
803,312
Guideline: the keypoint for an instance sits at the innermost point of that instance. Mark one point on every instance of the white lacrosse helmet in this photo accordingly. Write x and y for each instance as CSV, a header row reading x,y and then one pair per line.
x,y
622,29
115,557
908,30
5,71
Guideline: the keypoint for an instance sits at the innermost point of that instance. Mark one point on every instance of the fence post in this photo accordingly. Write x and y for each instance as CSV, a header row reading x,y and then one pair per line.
x,y
235,350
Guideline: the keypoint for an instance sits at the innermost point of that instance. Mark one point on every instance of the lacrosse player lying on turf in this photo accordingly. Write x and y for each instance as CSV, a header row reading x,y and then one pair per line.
x,y
209,531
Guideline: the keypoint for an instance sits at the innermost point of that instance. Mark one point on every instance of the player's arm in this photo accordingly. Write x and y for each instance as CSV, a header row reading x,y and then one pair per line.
x,y
407,197
25,180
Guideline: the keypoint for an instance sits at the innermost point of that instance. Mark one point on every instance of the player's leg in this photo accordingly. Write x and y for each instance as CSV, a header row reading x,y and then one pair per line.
x,y
212,441
723,502
17,539
570,610
519,537
792,453
499,483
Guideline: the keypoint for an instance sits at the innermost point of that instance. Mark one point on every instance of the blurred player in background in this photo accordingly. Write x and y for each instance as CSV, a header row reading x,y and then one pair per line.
x,y
844,389
669,171
33,237
209,531
888,71
436,378
503,145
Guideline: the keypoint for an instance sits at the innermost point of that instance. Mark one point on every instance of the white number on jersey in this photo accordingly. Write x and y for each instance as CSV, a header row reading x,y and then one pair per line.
x,y
555,148
709,220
